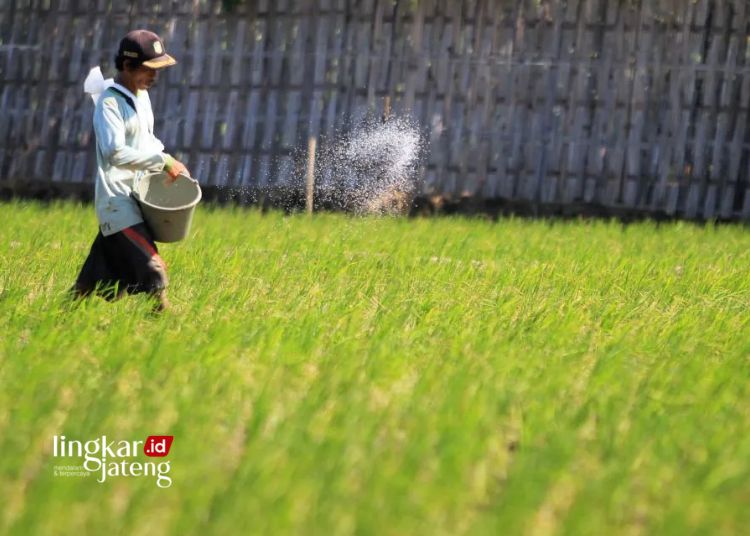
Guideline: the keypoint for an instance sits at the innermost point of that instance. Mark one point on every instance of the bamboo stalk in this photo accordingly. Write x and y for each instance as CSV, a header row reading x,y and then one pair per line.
x,y
311,145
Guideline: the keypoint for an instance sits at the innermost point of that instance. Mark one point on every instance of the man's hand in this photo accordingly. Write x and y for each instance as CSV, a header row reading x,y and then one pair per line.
x,y
174,168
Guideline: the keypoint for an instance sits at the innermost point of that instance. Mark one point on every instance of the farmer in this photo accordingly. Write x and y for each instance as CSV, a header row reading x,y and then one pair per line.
x,y
124,257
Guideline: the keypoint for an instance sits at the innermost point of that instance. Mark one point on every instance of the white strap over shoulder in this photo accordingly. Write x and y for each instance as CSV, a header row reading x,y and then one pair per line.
x,y
95,84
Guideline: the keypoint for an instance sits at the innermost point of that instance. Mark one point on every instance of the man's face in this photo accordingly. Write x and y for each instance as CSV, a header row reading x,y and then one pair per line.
x,y
145,77
142,77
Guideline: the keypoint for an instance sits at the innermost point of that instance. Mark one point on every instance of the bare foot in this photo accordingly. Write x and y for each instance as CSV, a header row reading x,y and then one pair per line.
x,y
162,303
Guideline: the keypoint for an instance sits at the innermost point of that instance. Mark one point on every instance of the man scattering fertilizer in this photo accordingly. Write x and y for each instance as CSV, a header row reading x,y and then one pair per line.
x,y
124,257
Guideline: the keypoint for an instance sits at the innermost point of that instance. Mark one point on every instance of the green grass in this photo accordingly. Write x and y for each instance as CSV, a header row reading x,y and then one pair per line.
x,y
337,375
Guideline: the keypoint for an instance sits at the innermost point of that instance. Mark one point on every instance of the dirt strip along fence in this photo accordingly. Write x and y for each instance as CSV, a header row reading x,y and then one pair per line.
x,y
635,105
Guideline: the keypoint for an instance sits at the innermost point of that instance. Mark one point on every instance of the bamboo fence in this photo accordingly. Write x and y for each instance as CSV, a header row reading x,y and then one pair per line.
x,y
622,104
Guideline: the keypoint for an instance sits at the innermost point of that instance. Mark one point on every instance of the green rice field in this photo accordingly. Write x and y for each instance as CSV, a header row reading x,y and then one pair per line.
x,y
379,376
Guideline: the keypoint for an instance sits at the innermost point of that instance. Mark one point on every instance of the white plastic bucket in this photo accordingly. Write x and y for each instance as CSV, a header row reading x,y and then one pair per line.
x,y
167,208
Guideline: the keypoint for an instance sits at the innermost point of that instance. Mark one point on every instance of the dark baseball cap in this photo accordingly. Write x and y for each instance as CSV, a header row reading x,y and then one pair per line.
x,y
145,48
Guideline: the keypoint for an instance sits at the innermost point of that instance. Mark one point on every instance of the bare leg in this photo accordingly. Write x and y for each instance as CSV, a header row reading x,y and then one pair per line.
x,y
161,303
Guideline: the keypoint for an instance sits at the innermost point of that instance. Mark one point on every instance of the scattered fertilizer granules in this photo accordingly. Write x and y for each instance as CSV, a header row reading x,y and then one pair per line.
x,y
372,169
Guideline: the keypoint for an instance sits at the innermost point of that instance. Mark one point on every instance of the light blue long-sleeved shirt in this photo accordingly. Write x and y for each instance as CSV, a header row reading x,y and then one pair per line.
x,y
125,149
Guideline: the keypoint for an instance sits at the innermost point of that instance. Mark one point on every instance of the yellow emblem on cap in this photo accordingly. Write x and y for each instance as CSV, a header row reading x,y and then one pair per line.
x,y
157,47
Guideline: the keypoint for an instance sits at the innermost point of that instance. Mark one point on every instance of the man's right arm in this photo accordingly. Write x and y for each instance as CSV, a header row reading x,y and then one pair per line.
x,y
110,137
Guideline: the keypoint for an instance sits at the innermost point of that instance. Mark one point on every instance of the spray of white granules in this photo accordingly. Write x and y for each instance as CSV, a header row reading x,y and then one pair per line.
x,y
372,169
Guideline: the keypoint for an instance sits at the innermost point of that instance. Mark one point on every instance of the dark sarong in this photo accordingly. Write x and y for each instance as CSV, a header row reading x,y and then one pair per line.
x,y
127,261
